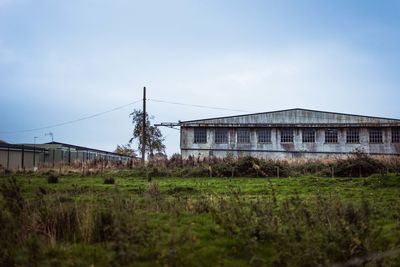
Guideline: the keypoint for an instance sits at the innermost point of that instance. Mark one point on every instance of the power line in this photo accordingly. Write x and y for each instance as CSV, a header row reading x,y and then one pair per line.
x,y
71,121
118,108
197,106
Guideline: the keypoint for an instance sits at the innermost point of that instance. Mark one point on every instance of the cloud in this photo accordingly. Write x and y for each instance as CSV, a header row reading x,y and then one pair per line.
x,y
84,80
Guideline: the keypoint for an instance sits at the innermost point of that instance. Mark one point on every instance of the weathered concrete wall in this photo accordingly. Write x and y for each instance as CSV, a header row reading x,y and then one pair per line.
x,y
278,150
296,119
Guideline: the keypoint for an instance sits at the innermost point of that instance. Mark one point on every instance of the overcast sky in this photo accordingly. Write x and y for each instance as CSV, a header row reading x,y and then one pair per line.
x,y
63,60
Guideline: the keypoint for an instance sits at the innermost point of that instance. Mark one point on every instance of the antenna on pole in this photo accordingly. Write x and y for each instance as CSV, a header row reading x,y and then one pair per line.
x,y
144,127
50,134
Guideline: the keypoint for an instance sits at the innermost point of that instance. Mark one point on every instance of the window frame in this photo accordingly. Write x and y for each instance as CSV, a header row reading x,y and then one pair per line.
x,y
243,139
375,135
353,136
306,136
264,135
395,131
202,138
331,139
285,137
221,136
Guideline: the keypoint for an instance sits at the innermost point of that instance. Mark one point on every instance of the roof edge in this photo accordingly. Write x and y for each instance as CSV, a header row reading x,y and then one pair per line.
x,y
283,110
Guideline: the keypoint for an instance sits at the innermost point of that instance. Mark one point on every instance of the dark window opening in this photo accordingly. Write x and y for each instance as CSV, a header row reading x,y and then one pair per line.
x,y
200,135
264,135
308,136
396,135
331,136
286,135
243,136
353,136
221,136
375,136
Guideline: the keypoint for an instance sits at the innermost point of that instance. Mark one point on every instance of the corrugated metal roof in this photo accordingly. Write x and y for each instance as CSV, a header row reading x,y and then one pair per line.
x,y
80,148
295,116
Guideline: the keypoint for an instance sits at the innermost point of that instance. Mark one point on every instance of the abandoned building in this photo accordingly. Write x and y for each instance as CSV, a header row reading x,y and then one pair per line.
x,y
293,133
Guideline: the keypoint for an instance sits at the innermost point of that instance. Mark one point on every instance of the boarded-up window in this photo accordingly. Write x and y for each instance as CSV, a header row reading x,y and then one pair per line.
x,y
200,135
286,135
243,135
264,135
353,136
308,136
396,135
221,135
331,136
375,136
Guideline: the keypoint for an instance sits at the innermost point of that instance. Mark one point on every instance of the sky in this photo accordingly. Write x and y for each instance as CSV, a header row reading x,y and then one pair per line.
x,y
65,60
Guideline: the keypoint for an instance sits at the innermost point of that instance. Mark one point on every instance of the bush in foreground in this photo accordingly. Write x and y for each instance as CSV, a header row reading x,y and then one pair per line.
x,y
52,179
109,180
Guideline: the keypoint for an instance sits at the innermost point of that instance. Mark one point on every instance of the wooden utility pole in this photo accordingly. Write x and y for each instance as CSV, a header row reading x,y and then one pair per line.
x,y
144,127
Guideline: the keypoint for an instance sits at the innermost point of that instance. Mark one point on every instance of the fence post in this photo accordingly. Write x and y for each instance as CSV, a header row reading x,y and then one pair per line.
x,y
277,172
34,156
8,157
23,158
53,156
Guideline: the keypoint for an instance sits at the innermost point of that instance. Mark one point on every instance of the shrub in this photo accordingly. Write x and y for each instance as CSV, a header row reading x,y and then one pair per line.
x,y
109,180
358,165
52,179
12,195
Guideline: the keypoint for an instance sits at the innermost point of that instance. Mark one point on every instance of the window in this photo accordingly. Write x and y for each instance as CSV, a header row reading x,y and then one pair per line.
x,y
200,135
264,135
308,136
331,136
286,135
375,136
221,136
395,135
243,136
353,136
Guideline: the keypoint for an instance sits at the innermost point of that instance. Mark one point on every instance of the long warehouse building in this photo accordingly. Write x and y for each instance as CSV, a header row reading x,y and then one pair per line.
x,y
28,156
286,134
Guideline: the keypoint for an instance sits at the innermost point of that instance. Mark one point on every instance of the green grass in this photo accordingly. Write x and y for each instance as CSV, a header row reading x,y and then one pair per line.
x,y
302,221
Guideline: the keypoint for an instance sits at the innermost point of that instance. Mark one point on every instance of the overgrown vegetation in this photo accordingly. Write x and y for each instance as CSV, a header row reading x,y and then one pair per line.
x,y
356,165
303,221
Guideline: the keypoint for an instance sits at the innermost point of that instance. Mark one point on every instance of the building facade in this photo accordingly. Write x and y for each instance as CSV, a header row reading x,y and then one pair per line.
x,y
294,133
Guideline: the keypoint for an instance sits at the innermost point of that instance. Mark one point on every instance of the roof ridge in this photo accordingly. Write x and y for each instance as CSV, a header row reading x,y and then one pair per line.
x,y
292,109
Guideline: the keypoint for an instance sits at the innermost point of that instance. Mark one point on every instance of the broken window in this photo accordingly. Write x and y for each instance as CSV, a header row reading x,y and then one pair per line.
x,y
264,135
353,136
200,135
375,136
221,135
308,136
286,135
331,136
243,135
396,135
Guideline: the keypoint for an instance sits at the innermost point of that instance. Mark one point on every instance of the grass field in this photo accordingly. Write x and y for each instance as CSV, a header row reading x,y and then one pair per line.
x,y
303,221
